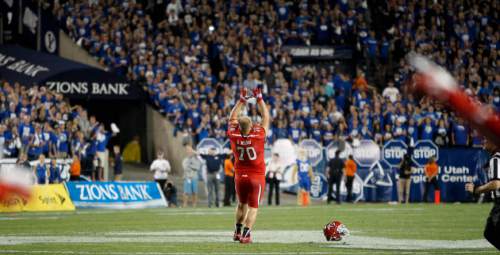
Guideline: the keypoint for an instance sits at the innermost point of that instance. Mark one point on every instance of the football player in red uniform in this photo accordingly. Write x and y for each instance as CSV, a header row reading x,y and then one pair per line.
x,y
247,144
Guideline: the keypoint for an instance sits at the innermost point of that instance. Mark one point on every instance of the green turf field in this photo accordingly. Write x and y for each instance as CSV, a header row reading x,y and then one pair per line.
x,y
375,229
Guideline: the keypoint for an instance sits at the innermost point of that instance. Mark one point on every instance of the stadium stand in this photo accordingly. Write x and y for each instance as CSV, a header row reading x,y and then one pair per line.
x,y
193,56
37,121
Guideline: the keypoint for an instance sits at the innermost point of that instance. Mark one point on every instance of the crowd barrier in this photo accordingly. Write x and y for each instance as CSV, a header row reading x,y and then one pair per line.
x,y
378,167
71,195
53,197
375,181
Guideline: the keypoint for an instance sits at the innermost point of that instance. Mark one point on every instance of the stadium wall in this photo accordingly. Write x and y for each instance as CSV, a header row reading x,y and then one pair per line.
x,y
69,50
160,136
158,133
128,115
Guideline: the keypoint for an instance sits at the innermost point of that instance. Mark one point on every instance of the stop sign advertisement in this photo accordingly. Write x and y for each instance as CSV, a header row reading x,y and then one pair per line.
x,y
208,143
319,186
394,151
314,150
423,151
357,189
367,153
343,146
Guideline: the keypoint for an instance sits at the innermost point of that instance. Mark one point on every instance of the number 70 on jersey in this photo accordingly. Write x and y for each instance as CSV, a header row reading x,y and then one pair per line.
x,y
246,152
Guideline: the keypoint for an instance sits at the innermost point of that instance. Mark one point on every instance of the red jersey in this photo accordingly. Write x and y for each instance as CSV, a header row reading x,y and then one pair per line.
x,y
248,150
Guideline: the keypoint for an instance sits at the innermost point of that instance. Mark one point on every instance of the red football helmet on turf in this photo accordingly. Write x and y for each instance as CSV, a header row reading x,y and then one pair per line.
x,y
335,231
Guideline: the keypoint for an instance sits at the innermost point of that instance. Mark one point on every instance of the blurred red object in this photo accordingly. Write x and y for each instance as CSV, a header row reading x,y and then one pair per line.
x,y
15,182
437,83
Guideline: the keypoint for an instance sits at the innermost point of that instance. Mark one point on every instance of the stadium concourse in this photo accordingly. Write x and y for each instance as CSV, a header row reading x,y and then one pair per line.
x,y
193,56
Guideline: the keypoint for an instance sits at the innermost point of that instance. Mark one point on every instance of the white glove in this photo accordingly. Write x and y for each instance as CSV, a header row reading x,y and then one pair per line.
x,y
114,128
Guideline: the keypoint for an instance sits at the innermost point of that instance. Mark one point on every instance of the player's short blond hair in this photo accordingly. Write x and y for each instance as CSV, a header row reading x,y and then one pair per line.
x,y
245,124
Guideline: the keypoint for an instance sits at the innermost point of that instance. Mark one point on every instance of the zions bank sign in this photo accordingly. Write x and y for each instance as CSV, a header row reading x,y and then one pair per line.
x,y
92,88
73,79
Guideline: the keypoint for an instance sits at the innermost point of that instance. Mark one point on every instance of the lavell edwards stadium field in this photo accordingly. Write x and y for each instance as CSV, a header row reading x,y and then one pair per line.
x,y
375,229
131,218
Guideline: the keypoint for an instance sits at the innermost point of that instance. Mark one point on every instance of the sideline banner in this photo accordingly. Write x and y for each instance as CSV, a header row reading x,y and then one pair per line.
x,y
116,195
379,182
457,166
319,186
379,176
53,197
378,168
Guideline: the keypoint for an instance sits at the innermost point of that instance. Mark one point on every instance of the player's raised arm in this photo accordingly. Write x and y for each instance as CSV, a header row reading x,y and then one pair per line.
x,y
261,105
438,83
235,112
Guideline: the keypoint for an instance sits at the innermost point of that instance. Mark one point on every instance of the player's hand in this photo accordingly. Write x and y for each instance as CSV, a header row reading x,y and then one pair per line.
x,y
469,187
243,95
257,93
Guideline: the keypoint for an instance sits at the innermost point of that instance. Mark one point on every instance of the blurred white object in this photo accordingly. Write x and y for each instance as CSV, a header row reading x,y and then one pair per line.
x,y
252,100
286,151
438,79
227,151
114,128
391,30
356,142
79,42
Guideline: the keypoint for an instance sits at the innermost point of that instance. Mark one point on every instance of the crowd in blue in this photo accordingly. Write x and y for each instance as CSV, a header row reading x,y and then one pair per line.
x,y
193,56
36,121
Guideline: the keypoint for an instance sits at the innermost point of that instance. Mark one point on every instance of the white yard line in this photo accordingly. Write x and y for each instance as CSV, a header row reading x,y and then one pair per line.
x,y
201,213
389,209
262,236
